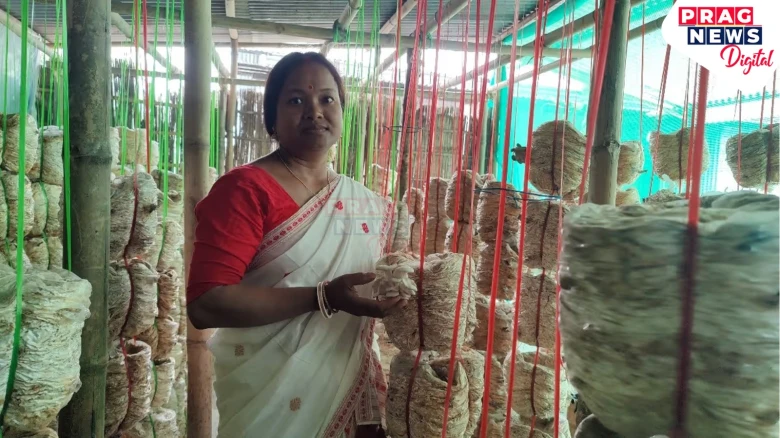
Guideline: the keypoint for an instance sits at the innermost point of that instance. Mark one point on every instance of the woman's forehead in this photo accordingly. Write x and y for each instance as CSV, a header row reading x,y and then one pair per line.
x,y
310,76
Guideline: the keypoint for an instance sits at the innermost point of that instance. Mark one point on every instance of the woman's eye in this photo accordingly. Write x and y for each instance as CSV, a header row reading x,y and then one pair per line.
x,y
295,101
328,99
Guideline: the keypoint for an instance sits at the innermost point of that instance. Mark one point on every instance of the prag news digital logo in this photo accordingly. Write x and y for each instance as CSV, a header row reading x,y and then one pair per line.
x,y
733,28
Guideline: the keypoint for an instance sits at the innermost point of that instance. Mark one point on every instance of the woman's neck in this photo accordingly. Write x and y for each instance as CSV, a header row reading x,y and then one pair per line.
x,y
315,167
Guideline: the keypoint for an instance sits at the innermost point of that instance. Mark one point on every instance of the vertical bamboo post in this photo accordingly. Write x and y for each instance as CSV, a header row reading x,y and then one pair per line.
x,y
403,171
602,179
197,100
89,76
221,131
231,107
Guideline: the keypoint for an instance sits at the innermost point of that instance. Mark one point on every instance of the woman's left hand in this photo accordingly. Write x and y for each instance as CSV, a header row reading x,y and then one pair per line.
x,y
370,431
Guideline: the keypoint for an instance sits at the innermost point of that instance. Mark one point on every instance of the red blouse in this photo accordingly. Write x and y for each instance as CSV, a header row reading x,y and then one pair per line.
x,y
231,220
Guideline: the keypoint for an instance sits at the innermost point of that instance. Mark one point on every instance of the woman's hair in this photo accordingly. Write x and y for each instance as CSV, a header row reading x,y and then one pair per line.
x,y
278,76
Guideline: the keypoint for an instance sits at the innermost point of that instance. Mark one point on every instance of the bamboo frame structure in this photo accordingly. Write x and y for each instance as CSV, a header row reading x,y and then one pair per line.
x,y
197,101
127,30
345,19
34,38
89,59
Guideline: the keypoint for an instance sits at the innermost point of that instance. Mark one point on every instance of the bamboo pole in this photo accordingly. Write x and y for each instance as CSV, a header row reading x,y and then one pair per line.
x,y
391,22
602,175
127,30
230,122
342,23
408,107
197,100
33,37
89,74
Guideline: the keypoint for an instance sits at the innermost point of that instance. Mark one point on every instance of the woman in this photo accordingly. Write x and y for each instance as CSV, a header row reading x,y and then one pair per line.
x,y
295,355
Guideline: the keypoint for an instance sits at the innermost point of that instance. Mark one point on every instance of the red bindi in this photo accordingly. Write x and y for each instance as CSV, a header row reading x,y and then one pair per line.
x,y
311,87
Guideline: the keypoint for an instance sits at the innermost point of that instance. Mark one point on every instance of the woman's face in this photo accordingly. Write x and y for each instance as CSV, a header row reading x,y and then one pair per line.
x,y
309,115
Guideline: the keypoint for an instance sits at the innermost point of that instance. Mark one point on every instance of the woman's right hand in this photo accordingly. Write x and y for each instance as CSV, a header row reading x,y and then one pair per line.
x,y
341,295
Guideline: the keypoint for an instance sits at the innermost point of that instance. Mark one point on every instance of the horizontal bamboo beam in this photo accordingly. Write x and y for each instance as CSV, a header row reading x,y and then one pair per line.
x,y
127,30
33,37
342,23
633,34
220,80
391,22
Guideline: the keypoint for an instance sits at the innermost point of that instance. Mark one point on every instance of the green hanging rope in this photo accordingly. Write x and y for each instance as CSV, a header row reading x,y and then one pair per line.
x,y
20,221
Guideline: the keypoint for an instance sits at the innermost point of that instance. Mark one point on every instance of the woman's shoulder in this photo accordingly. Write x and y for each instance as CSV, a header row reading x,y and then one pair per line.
x,y
247,175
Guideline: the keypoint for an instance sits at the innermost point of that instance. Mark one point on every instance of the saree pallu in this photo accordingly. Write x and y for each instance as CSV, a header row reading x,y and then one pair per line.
x,y
308,376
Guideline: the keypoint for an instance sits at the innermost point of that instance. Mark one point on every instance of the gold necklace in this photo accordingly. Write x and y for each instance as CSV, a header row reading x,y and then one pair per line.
x,y
284,161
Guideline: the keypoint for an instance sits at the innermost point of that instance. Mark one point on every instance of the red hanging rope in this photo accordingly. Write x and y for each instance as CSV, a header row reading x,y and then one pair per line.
x,y
691,139
771,121
689,266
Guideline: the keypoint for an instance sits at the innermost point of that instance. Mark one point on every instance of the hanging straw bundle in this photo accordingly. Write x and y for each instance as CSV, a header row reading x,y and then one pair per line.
x,y
671,154
126,238
55,306
44,253
164,374
141,283
10,157
538,299
750,170
175,181
414,199
115,144
168,292
47,200
117,396
10,182
3,210
172,241
139,383
51,166
44,433
621,299
473,363
507,276
136,149
627,197
160,424
502,331
383,181
399,234
437,196
8,255
436,234
466,193
541,241
487,210
464,237
631,162
428,394
543,378
663,196
441,279
545,172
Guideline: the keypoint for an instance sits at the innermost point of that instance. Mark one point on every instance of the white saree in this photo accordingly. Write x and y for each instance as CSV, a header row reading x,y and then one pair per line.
x,y
308,376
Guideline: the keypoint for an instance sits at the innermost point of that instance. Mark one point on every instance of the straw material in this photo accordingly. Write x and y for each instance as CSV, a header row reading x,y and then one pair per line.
x,y
171,246
543,379
167,332
426,405
47,200
8,255
165,374
399,235
168,292
44,253
136,148
55,306
437,196
139,371
415,200
502,330
213,176
51,168
180,389
117,396
663,196
383,181
538,294
487,211
10,159
507,275
545,172
465,236
10,182
175,206
160,424
44,433
627,197
473,363
750,170
436,234
541,241
114,143
137,318
123,209
175,181
631,162
635,253
466,193
3,210
441,279
671,154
